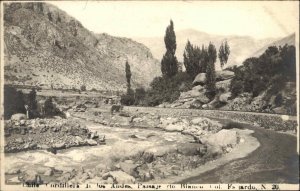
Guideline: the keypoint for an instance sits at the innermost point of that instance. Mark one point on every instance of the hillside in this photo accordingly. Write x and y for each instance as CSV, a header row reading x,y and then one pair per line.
x,y
241,47
45,47
289,40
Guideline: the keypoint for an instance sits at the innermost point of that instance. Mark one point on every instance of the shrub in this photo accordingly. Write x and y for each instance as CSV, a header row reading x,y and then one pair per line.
x,y
167,89
231,125
13,101
83,88
128,98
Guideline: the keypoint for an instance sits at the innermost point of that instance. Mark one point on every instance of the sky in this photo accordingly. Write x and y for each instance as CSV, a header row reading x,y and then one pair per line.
x,y
148,19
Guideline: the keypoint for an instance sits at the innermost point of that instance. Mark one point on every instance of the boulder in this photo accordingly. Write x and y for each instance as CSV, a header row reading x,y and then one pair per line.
x,y
224,97
19,140
178,126
198,88
91,142
13,170
31,177
225,85
224,138
196,104
166,121
206,124
129,168
18,116
122,177
61,145
48,172
14,180
94,135
224,75
200,79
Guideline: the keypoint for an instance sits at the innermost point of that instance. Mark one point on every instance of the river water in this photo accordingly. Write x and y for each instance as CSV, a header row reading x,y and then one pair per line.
x,y
120,143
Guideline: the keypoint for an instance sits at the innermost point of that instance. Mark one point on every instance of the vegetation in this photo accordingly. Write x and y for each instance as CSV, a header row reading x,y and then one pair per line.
x,y
195,59
224,52
210,70
14,101
128,75
167,89
169,64
268,72
83,88
128,98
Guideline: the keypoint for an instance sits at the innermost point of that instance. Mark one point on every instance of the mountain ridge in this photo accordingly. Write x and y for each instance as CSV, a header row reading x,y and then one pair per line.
x,y
242,47
46,47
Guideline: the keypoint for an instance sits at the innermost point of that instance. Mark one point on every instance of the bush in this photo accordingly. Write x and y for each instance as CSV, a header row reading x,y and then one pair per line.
x,y
140,94
83,88
13,102
128,98
167,89
272,69
231,125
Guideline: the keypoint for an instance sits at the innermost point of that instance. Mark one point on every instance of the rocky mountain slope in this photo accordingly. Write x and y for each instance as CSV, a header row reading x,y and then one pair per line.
x,y
241,47
45,47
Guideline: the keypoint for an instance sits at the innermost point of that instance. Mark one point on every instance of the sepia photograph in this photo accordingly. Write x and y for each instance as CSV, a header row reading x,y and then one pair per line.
x,y
149,95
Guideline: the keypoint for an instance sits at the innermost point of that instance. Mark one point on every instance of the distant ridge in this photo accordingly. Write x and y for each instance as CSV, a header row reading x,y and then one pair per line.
x,y
241,46
289,40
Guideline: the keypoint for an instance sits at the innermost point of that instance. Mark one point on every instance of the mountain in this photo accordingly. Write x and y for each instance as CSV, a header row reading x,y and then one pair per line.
x,y
241,47
289,40
44,46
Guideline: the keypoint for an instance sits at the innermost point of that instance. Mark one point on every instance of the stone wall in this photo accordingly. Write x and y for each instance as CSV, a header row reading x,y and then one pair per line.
x,y
267,121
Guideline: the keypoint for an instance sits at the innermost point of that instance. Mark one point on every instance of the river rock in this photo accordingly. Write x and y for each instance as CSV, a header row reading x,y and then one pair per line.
x,y
49,172
18,117
19,140
12,171
91,142
14,180
110,180
129,168
31,177
22,122
122,177
224,97
207,124
224,138
59,145
175,127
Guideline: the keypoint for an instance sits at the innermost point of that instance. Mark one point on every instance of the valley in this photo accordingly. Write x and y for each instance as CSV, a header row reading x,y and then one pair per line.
x,y
186,107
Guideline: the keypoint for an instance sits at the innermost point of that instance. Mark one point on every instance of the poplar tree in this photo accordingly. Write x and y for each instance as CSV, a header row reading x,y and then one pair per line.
x,y
210,70
169,65
224,52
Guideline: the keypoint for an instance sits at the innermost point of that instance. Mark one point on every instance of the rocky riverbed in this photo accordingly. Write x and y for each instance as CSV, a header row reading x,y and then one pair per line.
x,y
47,134
139,148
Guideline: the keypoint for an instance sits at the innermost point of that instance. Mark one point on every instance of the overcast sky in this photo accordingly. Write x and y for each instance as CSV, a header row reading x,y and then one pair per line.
x,y
146,19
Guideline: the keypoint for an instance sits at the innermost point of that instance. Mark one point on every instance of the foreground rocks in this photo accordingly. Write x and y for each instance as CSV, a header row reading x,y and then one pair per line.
x,y
46,134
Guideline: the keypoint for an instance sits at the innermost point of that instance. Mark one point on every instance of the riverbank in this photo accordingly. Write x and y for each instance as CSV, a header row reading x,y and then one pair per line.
x,y
47,134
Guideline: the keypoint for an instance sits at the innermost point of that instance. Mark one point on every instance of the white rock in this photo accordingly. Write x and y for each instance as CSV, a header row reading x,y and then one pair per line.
x,y
122,177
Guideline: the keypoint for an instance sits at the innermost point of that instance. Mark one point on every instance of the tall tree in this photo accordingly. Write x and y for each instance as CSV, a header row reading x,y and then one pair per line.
x,y
169,65
210,70
128,75
32,103
224,52
195,59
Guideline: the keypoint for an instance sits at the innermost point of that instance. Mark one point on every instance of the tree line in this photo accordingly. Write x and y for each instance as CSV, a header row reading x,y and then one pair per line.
x,y
167,88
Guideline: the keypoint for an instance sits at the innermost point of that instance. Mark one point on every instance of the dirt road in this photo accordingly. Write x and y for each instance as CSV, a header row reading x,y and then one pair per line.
x,y
275,161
